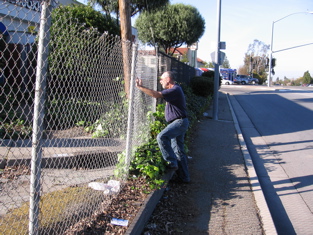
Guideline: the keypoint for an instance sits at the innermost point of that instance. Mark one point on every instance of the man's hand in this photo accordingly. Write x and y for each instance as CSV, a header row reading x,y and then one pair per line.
x,y
138,82
148,91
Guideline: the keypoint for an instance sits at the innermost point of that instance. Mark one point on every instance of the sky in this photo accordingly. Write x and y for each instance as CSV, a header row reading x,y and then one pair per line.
x,y
243,21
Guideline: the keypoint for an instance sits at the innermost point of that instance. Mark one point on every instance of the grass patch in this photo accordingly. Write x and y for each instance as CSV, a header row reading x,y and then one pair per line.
x,y
66,207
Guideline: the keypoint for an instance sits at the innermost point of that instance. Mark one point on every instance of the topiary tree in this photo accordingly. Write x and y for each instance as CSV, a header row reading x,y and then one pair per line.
x,y
170,27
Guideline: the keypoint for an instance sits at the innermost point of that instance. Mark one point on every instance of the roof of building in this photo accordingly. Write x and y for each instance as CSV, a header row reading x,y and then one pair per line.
x,y
180,50
200,60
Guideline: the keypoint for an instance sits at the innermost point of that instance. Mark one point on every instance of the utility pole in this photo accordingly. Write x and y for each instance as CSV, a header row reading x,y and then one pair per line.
x,y
126,35
217,63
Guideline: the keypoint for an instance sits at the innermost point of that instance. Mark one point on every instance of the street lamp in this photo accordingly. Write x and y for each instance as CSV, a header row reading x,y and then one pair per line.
x,y
271,51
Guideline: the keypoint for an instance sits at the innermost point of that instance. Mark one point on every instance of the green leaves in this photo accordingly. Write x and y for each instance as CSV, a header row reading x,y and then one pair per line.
x,y
307,79
15,129
171,26
136,6
148,162
88,17
159,123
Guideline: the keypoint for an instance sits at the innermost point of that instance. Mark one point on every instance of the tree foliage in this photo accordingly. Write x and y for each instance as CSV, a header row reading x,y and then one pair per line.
x,y
78,34
256,57
88,17
210,65
170,27
307,79
74,29
256,60
136,6
226,63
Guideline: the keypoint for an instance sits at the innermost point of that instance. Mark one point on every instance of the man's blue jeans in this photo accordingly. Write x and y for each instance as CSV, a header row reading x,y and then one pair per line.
x,y
171,143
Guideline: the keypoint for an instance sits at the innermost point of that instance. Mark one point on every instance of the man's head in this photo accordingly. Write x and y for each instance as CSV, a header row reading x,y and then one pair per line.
x,y
167,80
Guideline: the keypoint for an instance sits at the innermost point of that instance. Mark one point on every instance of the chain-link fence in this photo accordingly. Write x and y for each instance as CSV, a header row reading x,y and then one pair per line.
x,y
65,117
183,72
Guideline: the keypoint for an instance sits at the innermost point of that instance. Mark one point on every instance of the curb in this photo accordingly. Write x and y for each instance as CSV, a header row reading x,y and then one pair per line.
x,y
264,213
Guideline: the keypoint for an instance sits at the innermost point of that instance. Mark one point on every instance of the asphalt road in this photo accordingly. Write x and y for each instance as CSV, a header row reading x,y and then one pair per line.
x,y
277,124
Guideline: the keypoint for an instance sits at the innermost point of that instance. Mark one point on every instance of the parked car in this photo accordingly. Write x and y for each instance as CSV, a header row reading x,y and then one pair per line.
x,y
253,80
241,79
227,82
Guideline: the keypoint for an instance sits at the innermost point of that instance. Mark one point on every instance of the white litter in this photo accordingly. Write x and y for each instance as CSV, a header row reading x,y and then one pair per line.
x,y
98,186
121,222
113,186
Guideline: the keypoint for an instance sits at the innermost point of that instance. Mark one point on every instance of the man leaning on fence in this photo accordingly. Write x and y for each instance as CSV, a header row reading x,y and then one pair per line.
x,y
171,138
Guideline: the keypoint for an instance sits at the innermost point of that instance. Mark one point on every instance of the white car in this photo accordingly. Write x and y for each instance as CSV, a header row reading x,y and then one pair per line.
x,y
227,82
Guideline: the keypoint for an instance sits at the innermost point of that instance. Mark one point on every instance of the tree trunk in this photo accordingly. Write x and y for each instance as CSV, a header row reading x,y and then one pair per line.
x,y
126,35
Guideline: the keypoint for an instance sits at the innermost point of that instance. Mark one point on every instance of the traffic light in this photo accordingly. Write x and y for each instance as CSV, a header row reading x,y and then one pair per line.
x,y
267,62
273,63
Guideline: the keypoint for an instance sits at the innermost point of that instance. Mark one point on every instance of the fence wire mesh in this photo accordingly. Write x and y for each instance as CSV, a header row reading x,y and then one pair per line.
x,y
66,120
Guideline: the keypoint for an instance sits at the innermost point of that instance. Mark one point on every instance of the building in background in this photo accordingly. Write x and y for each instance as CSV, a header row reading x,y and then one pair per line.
x,y
186,55
20,19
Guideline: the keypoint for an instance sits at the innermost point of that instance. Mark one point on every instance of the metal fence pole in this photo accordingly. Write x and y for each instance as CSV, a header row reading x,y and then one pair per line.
x,y
155,84
41,77
130,107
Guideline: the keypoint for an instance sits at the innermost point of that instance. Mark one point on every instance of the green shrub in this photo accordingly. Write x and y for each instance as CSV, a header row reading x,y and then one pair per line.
x,y
147,159
202,86
196,105
113,123
262,78
209,74
13,124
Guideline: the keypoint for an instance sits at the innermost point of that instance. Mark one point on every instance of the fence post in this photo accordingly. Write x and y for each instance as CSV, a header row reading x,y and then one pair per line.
x,y
130,107
40,89
156,82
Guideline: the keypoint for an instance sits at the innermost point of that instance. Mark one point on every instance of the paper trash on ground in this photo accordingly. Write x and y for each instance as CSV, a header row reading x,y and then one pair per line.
x,y
113,186
121,222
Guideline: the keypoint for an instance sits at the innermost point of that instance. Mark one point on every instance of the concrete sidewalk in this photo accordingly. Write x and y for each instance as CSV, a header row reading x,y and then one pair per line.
x,y
224,186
